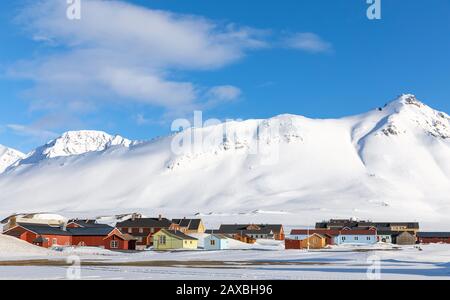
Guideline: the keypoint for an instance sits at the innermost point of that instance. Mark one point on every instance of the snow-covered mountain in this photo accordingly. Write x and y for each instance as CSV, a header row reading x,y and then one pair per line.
x,y
390,163
74,143
8,157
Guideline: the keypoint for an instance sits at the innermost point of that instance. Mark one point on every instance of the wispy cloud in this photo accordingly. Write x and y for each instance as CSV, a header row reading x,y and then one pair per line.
x,y
307,41
123,52
32,132
224,93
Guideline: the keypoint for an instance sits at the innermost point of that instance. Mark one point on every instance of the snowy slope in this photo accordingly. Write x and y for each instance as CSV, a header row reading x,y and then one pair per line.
x,y
8,157
13,247
389,163
75,143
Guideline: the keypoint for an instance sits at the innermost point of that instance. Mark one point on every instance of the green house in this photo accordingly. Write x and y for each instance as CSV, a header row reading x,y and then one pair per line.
x,y
171,240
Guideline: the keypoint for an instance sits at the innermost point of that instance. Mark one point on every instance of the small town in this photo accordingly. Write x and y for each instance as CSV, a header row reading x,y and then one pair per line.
x,y
135,232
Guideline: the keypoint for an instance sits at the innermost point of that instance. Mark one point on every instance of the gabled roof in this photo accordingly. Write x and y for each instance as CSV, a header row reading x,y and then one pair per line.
x,y
360,224
312,231
90,231
146,223
332,232
357,232
218,236
230,228
125,237
44,229
87,223
190,224
50,230
177,234
433,234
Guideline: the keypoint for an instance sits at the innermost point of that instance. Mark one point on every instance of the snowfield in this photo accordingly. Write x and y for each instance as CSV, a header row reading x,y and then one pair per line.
x,y
11,247
390,164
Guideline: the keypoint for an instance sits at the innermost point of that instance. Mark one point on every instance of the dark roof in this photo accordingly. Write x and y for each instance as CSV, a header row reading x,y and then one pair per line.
x,y
353,224
332,232
386,232
409,225
237,228
50,230
146,223
87,223
190,224
44,229
91,231
433,234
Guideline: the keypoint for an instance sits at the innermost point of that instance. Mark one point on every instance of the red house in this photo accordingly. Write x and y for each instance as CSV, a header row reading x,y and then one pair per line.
x,y
433,237
143,229
48,236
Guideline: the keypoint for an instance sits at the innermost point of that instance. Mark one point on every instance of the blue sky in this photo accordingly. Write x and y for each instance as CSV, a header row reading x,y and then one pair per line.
x,y
131,67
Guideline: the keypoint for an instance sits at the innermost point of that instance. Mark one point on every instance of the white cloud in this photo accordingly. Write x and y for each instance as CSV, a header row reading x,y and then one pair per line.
x,y
31,131
309,42
119,51
224,93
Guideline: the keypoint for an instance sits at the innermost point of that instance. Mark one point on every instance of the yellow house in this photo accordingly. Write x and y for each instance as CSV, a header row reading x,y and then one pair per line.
x,y
189,226
172,240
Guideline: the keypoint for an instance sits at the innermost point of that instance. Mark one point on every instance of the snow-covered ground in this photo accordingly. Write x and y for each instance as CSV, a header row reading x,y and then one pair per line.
x,y
264,260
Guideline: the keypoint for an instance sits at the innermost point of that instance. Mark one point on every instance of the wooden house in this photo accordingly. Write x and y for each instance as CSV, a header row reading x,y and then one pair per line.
x,y
433,237
173,240
314,241
50,236
216,242
249,233
339,224
188,226
143,229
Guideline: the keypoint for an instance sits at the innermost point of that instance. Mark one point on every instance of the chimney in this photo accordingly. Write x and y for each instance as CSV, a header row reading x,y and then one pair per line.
x,y
160,217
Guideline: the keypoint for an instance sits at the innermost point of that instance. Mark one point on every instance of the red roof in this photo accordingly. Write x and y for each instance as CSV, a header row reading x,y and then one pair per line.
x,y
312,231
358,232
333,232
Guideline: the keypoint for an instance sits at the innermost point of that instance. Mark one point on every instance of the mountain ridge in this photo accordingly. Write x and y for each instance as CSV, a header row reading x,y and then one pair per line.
x,y
393,161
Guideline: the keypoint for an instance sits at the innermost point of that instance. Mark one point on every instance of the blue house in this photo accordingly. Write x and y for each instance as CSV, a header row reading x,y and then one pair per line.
x,y
216,242
366,237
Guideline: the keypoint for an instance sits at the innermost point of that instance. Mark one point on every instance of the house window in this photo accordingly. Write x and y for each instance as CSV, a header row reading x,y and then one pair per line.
x,y
141,230
114,244
368,238
152,230
356,238
54,242
213,242
130,230
162,239
343,238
